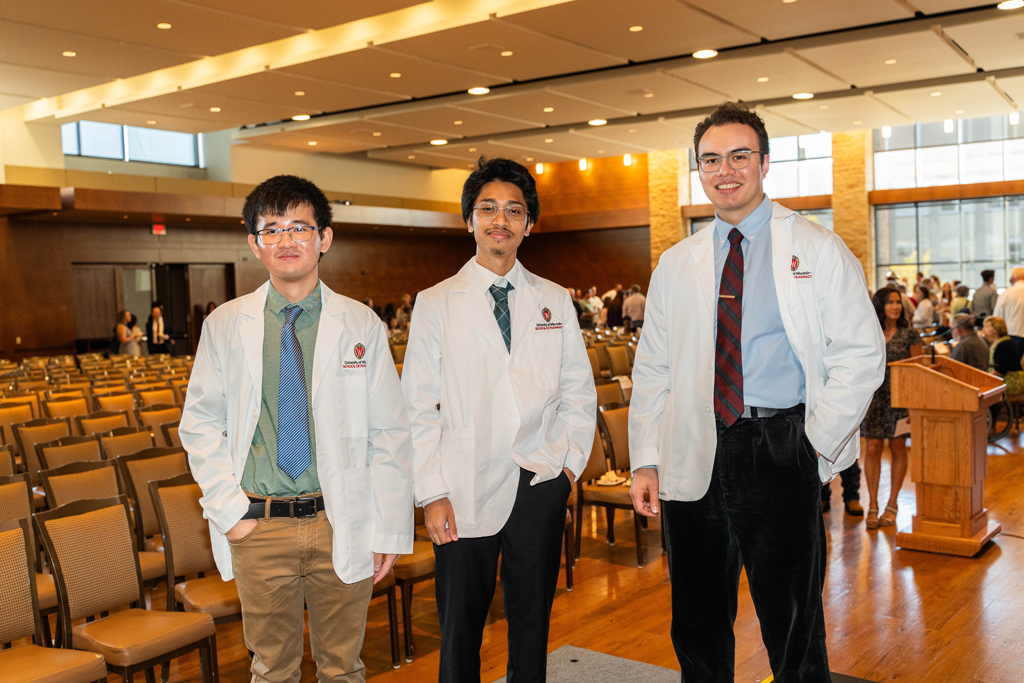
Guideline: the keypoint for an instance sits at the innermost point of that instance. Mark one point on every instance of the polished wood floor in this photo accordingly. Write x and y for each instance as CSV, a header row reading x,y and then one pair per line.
x,y
892,615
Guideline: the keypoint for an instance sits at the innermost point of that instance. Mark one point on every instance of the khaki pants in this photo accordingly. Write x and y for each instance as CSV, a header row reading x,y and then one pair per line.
x,y
282,564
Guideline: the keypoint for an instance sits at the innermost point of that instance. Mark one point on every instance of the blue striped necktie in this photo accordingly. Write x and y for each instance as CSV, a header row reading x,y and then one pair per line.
x,y
293,456
501,312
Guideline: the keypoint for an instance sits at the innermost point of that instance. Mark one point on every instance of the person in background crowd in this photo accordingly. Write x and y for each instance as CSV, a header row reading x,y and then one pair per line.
x,y
881,421
611,312
128,334
960,301
908,304
1004,358
612,292
590,316
970,348
159,331
210,307
595,301
393,329
575,297
947,293
984,300
633,307
404,311
924,314
1010,307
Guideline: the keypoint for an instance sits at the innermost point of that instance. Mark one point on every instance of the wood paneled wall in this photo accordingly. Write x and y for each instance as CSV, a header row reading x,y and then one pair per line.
x,y
606,185
601,258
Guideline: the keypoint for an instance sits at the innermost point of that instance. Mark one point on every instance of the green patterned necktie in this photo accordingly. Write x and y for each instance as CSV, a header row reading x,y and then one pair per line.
x,y
502,314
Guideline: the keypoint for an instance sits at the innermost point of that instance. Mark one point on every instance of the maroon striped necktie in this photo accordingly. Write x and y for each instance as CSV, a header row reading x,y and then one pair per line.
x,y
728,354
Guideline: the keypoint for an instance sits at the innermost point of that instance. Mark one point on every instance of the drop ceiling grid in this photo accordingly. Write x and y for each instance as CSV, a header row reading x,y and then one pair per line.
x,y
279,88
786,75
361,131
997,44
844,113
975,99
442,121
298,141
566,144
196,104
529,106
777,20
629,93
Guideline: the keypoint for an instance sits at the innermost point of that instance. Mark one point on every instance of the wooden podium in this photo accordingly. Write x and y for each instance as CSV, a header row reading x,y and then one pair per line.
x,y
948,404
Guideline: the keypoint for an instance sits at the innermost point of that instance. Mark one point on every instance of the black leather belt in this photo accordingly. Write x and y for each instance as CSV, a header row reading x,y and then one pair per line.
x,y
301,506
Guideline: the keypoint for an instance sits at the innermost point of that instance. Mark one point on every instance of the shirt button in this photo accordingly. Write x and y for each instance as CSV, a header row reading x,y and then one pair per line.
x,y
707,408
513,412
711,366
512,368
255,413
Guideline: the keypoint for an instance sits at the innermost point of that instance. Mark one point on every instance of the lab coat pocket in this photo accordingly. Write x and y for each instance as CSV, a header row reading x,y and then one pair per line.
x,y
360,514
351,405
458,467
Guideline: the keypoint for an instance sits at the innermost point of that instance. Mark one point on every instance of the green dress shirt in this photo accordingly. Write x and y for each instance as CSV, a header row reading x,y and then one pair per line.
x,y
261,474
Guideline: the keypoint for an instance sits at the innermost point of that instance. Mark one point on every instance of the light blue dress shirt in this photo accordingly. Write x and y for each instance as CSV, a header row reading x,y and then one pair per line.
x,y
772,376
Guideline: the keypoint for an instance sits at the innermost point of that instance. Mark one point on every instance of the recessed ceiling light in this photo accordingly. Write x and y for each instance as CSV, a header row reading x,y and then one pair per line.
x,y
472,149
300,93
529,158
506,53
164,25
959,111
478,91
583,167
936,94
215,109
1011,4
151,122
803,95
312,143
395,74
549,139
788,2
705,54
69,53
824,106
597,122
540,169
600,151
636,29
890,61
377,133
548,110
439,142
631,130
412,156
857,123
762,79
300,117
457,123
648,95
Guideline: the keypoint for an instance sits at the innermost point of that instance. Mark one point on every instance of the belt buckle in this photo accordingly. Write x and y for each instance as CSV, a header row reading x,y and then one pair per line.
x,y
296,509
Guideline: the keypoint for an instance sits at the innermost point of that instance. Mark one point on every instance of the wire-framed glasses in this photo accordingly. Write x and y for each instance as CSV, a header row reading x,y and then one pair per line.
x,y
709,163
513,213
299,233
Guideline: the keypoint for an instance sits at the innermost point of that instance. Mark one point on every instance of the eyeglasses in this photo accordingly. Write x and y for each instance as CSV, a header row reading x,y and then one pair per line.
x,y
299,233
513,214
709,163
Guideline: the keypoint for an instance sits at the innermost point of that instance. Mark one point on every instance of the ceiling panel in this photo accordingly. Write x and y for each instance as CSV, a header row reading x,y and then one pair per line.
x,y
918,56
775,20
442,121
645,93
783,125
995,44
314,14
12,100
142,120
971,99
372,69
300,142
461,159
642,137
529,107
277,88
193,104
786,75
194,30
479,46
1014,87
42,47
362,132
846,113
35,83
670,28
936,6
566,144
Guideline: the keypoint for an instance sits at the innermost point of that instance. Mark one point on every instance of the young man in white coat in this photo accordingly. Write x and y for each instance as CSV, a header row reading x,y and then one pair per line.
x,y
746,397
500,351
297,433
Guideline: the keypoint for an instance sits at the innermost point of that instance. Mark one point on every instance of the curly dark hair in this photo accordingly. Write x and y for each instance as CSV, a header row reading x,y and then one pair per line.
x,y
880,298
732,112
276,196
504,170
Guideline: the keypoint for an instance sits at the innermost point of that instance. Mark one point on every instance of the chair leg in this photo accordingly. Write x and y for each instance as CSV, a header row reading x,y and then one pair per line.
x,y
150,676
639,539
407,619
47,636
393,626
569,559
609,513
165,669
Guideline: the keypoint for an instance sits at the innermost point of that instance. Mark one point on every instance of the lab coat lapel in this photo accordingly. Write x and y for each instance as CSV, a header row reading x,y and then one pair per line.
x,y
250,329
328,334
474,305
527,301
703,256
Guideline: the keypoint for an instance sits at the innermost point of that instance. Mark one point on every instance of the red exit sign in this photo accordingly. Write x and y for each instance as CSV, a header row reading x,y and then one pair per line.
x,y
159,229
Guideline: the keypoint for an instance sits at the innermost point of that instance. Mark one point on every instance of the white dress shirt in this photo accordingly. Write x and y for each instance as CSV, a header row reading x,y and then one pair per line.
x,y
1010,307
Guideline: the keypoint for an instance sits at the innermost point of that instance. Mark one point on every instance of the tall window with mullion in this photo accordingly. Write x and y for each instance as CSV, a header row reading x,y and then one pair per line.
x,y
129,143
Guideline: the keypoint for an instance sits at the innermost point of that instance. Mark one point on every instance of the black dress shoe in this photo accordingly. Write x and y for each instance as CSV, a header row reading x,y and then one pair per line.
x,y
854,508
826,504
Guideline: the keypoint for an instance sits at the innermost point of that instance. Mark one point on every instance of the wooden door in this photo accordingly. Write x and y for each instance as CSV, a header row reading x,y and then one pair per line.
x,y
95,292
207,282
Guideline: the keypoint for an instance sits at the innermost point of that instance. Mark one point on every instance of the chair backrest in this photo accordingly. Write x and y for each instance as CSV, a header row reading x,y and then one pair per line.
x,y
126,441
67,407
596,464
15,498
185,533
33,384
11,414
29,398
618,357
43,430
154,416
613,420
137,471
101,421
60,452
144,383
170,431
8,465
398,351
19,602
95,564
609,392
64,391
118,401
156,396
595,364
78,481
601,347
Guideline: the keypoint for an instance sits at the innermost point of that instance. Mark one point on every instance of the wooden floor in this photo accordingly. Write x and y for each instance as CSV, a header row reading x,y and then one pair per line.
x,y
892,615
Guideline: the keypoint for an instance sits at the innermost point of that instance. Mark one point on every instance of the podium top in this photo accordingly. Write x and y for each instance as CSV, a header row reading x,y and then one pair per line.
x,y
945,384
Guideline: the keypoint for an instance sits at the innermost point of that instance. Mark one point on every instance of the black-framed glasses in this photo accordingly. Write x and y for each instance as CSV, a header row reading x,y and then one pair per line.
x,y
709,163
299,233
513,213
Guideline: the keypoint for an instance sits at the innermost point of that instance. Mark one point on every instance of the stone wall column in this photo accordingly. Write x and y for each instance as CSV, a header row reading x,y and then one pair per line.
x,y
852,179
667,176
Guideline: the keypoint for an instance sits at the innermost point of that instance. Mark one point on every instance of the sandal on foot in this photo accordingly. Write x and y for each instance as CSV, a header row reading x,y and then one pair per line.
x,y
888,517
872,519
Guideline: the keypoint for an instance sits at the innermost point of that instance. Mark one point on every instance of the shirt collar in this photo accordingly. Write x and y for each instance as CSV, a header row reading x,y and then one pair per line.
x,y
485,278
750,226
310,305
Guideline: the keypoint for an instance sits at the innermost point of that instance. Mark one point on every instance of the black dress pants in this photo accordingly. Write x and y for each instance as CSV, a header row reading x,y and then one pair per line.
x,y
762,513
530,545
851,484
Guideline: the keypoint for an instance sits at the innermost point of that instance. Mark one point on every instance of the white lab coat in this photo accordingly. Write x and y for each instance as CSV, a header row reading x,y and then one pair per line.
x,y
533,408
361,427
829,321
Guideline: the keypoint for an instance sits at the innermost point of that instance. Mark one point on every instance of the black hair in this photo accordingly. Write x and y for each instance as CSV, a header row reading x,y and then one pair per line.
x,y
924,288
276,196
879,299
733,112
988,275
500,170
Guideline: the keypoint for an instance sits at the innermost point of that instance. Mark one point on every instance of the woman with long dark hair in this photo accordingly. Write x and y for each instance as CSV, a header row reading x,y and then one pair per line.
x,y
880,422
